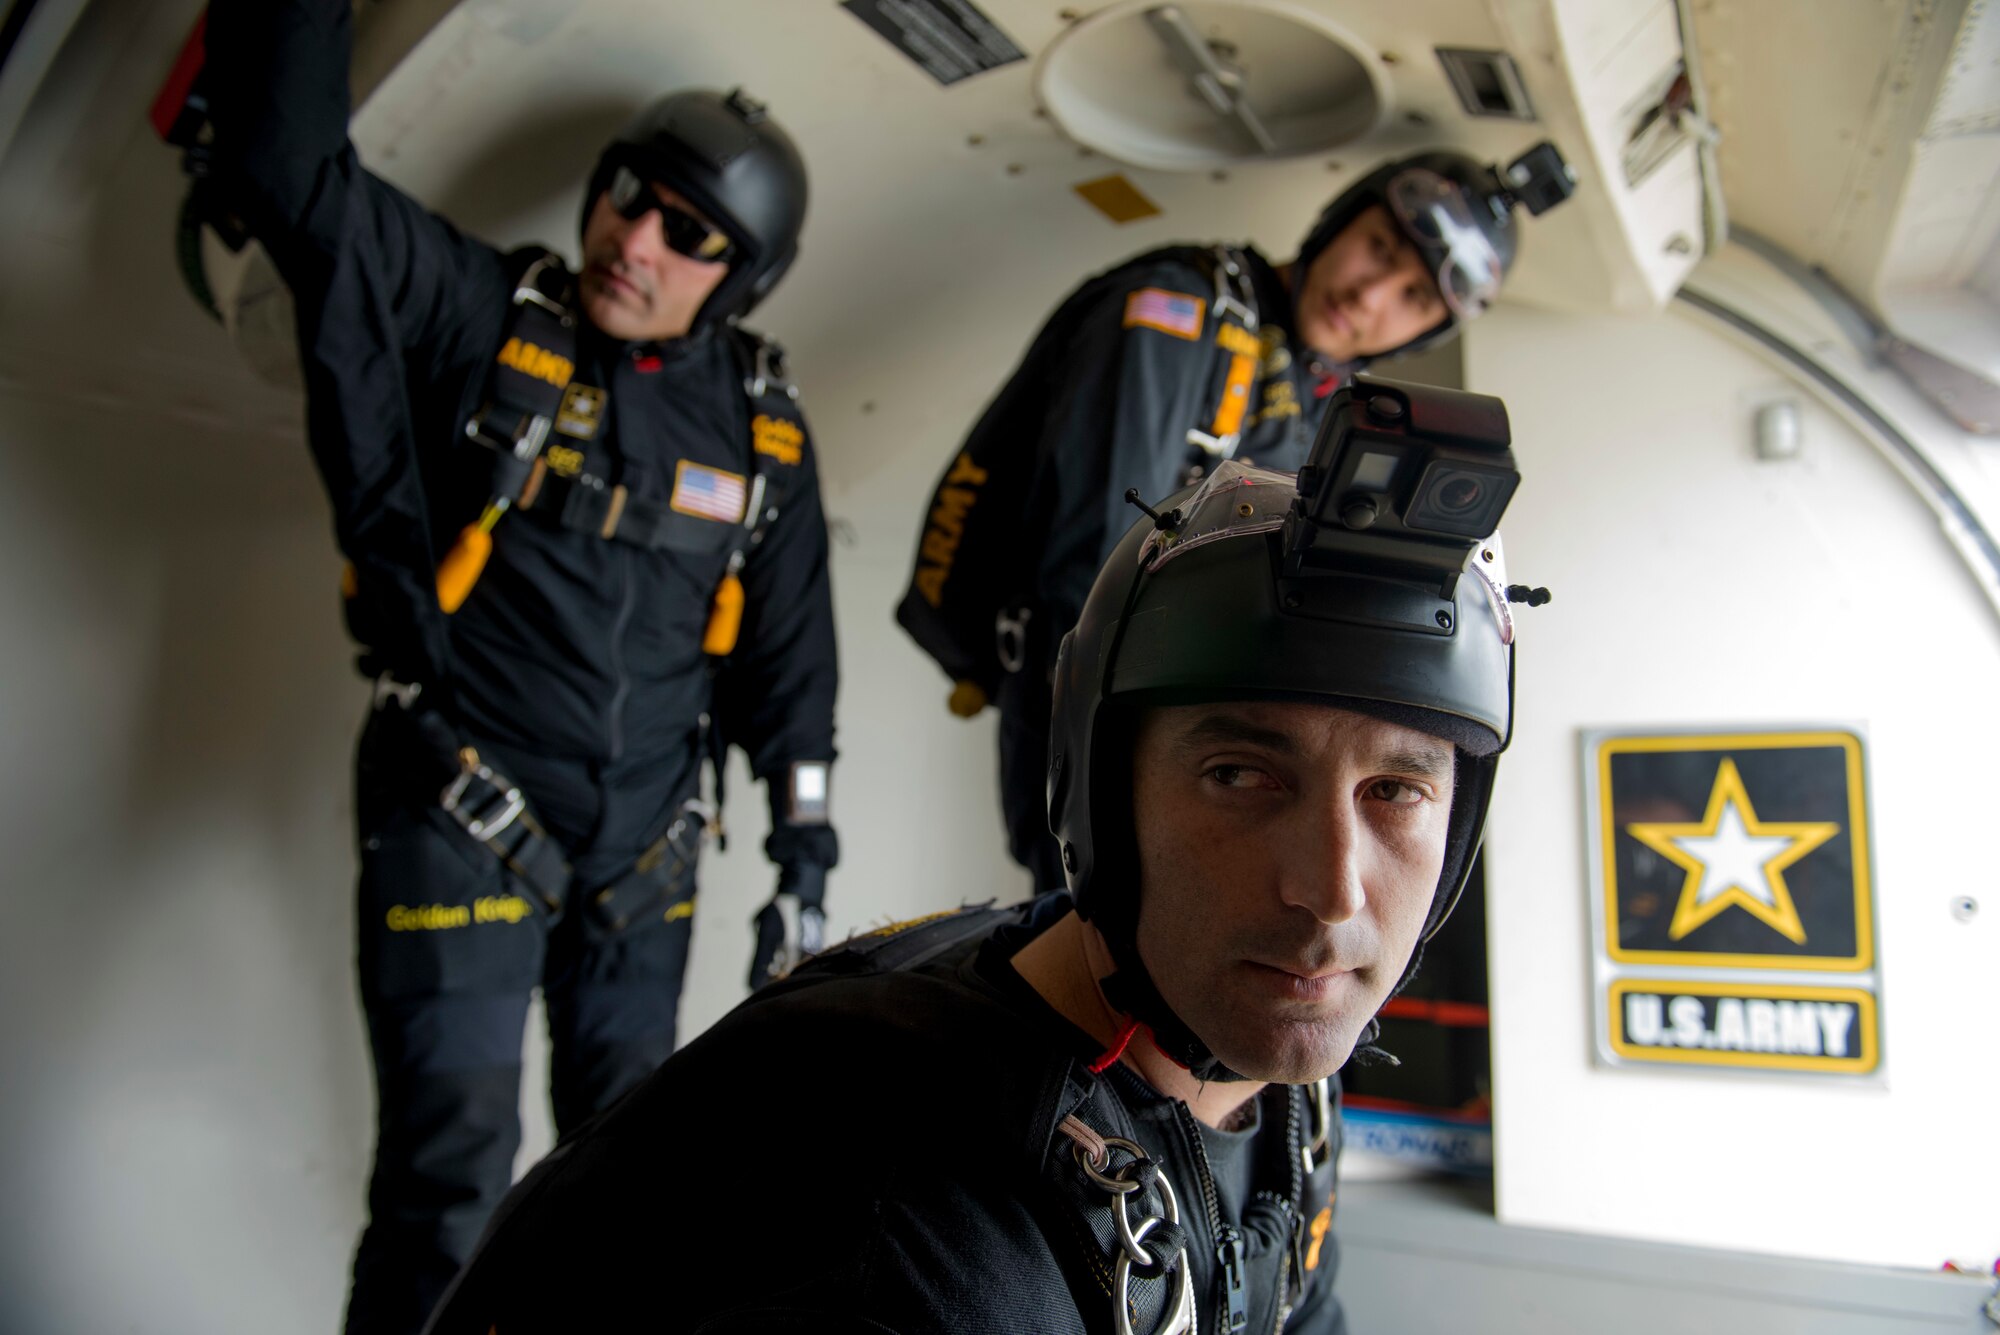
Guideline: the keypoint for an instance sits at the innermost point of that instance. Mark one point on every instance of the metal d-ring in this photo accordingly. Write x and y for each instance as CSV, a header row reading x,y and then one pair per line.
x,y
1117,1186
1179,1319
1130,1237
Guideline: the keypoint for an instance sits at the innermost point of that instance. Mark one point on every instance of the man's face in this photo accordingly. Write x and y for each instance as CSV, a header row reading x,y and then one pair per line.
x,y
633,285
1368,291
1288,856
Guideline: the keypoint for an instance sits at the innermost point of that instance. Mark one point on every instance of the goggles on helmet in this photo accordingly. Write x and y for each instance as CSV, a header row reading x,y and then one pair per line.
x,y
1437,215
1234,501
634,197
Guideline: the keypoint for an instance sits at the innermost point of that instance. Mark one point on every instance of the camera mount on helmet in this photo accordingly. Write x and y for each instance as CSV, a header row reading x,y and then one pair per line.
x,y
1539,179
1403,482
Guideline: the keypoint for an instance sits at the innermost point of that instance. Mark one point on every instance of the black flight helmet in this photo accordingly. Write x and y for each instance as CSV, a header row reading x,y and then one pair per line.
x,y
734,163
1460,217
1371,581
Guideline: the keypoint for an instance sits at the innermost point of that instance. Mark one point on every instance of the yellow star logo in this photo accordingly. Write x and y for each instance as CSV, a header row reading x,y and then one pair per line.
x,y
1732,858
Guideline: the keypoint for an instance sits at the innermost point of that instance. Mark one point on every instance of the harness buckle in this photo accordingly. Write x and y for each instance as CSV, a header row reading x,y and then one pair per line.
x,y
530,292
768,372
387,688
501,808
703,816
1221,446
524,441
1010,637
1232,293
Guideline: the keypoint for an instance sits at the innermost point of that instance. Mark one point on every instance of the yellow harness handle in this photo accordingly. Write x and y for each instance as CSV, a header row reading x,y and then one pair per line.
x,y
1244,350
966,700
725,617
466,560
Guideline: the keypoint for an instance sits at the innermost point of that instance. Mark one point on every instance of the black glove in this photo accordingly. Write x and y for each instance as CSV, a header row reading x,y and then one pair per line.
x,y
790,927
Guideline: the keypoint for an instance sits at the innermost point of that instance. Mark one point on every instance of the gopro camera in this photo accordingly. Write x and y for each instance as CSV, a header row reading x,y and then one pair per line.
x,y
1539,179
1403,482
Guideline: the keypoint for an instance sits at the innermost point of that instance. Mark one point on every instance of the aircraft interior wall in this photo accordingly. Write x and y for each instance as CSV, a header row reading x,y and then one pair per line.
x,y
1810,591
185,1094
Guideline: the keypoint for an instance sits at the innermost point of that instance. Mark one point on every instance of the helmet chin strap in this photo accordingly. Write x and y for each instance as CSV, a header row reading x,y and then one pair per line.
x,y
1130,989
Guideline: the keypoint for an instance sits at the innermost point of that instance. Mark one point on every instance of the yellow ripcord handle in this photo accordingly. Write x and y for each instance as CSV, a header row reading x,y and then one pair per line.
x,y
967,699
1235,396
466,560
725,617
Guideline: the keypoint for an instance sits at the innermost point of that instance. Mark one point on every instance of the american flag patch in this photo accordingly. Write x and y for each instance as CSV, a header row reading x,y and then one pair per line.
x,y
707,492
1174,313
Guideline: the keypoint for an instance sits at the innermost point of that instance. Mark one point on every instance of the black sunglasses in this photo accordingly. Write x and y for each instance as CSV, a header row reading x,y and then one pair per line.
x,y
685,234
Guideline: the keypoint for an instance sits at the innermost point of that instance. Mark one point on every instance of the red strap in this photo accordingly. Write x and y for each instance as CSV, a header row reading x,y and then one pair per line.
x,y
173,94
1450,1014
1117,1048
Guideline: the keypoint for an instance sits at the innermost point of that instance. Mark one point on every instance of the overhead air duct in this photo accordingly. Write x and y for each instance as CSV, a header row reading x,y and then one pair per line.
x,y
1190,86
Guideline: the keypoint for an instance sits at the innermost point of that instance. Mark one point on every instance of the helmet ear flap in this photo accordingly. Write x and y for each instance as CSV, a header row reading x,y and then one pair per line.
x,y
765,279
1058,786
1090,799
1473,793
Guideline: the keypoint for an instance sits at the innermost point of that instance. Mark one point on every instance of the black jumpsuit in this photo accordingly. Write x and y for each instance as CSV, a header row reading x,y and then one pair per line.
x,y
929,1187
1034,500
575,667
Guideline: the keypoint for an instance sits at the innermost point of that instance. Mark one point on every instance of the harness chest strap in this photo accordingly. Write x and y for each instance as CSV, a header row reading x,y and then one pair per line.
x,y
586,503
589,504
1236,326
524,392
776,432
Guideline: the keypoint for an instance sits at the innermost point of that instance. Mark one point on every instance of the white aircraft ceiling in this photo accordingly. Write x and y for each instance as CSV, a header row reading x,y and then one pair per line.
x,y
1857,133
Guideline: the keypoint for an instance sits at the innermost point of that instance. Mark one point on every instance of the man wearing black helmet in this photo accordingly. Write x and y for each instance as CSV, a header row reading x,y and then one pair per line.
x,y
581,514
1275,736
1148,376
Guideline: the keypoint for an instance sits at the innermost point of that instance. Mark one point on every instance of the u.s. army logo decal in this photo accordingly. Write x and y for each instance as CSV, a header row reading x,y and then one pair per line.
x,y
1728,869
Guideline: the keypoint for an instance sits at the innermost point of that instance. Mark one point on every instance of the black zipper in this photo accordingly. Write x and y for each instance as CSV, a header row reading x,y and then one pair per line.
x,y
1294,1263
1235,1296
1228,1240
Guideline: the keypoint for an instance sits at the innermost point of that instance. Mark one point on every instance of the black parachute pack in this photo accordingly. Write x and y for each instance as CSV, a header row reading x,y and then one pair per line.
x,y
972,580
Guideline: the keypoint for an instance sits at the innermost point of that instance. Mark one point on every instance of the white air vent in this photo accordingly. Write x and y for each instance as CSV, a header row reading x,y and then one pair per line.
x,y
1488,83
1188,86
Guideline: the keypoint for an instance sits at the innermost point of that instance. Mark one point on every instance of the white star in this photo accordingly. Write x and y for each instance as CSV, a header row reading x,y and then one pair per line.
x,y
1732,856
